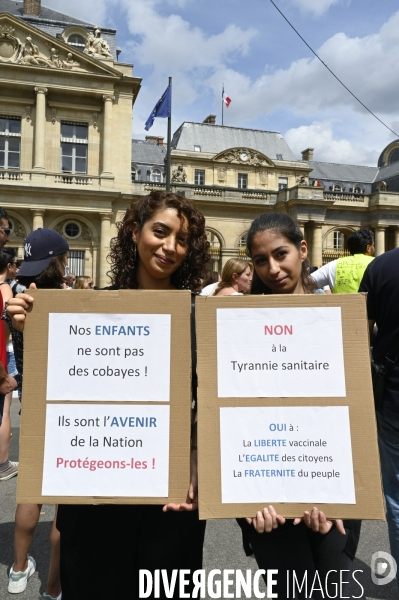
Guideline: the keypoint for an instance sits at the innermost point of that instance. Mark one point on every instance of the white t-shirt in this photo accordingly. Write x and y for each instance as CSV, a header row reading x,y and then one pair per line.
x,y
209,289
325,275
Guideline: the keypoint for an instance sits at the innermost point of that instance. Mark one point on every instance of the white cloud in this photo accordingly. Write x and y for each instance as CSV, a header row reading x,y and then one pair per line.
x,y
320,136
367,65
179,3
163,44
317,7
170,46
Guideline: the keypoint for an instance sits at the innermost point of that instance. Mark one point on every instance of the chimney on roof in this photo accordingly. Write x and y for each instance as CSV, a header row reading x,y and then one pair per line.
x,y
211,120
151,138
160,141
32,7
307,154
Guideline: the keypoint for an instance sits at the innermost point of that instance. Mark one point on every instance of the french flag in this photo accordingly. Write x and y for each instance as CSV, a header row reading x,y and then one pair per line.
x,y
226,99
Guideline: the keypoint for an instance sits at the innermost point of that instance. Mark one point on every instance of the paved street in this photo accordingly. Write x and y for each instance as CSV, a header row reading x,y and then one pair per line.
x,y
222,547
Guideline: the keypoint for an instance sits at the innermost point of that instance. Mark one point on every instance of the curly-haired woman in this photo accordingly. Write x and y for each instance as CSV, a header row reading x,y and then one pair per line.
x,y
161,245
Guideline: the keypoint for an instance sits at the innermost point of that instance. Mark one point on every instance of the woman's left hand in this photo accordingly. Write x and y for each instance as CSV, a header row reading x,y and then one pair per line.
x,y
192,496
266,520
317,521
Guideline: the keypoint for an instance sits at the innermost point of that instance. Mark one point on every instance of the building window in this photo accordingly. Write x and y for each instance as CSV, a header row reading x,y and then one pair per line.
x,y
10,142
337,188
197,148
242,181
156,176
279,156
282,183
242,242
199,177
134,174
338,240
72,230
393,156
76,262
74,141
77,41
358,190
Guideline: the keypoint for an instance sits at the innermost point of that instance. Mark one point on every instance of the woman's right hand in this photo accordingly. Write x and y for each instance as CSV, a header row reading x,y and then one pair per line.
x,y
266,520
17,308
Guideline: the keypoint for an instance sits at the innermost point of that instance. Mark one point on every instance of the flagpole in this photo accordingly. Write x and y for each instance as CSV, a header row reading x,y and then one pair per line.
x,y
222,102
169,140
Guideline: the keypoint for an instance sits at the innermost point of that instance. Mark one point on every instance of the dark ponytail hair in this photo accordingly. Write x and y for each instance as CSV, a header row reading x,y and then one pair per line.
x,y
5,259
279,224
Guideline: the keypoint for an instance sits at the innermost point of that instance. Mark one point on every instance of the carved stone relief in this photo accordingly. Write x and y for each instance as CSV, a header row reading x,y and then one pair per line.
x,y
263,177
221,173
244,156
14,50
96,46
179,175
18,229
302,180
9,44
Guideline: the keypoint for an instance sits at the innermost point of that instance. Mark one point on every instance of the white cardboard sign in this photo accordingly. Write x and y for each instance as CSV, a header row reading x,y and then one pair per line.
x,y
280,352
106,357
99,450
286,454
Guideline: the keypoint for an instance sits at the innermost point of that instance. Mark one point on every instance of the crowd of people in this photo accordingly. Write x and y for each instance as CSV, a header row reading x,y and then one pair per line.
x,y
161,245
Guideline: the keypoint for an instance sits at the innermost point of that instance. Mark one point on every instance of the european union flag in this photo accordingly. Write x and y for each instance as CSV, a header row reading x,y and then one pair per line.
x,y
161,109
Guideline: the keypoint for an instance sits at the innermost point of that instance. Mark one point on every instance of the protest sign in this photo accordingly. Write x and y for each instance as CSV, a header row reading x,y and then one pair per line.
x,y
106,398
285,407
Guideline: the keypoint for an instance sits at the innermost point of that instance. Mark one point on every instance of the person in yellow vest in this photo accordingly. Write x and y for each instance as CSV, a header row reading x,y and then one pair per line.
x,y
345,274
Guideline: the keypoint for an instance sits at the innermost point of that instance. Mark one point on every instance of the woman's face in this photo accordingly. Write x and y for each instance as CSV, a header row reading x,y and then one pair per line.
x,y
162,244
278,262
244,281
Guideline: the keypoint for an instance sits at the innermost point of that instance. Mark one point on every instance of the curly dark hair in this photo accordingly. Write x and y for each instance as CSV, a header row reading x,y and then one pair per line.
x,y
123,260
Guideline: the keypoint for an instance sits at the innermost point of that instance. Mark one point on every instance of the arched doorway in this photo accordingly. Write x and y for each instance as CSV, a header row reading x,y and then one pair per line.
x,y
215,250
242,245
335,243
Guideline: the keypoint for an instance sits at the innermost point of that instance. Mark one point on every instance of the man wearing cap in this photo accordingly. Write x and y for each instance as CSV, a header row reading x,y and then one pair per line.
x,y
45,258
8,469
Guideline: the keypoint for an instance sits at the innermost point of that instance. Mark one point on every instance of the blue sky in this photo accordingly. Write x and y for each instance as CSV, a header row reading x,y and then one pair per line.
x,y
274,81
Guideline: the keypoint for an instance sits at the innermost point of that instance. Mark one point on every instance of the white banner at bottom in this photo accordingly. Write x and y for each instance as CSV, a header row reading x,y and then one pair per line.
x,y
286,454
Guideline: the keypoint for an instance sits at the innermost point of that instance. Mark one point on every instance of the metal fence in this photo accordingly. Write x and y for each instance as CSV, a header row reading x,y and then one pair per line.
x,y
76,262
330,254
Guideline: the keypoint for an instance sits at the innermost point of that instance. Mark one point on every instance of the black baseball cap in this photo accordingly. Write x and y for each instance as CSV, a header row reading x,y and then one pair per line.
x,y
40,247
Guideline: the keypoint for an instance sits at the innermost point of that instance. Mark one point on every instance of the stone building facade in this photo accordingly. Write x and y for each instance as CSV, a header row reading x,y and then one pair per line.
x,y
67,160
65,130
235,174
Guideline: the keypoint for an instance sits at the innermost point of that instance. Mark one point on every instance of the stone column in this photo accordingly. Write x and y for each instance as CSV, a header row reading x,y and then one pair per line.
x,y
37,219
104,248
301,225
107,135
40,129
94,263
397,238
379,240
317,246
